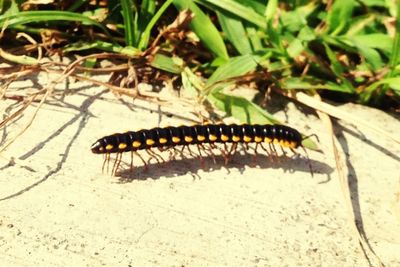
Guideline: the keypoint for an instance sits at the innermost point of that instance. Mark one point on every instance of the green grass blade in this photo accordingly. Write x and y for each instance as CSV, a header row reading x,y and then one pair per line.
x,y
170,64
395,58
21,59
311,83
128,13
240,108
76,5
379,41
339,16
101,45
394,83
338,69
234,30
239,10
254,39
270,11
204,28
236,66
45,16
144,38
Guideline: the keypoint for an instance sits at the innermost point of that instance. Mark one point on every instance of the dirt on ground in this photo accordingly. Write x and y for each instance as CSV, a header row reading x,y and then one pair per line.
x,y
57,208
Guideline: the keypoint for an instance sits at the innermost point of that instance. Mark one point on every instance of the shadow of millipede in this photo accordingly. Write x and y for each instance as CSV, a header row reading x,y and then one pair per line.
x,y
174,168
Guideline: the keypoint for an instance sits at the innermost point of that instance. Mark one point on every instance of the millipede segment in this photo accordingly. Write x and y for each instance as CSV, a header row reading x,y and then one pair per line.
x,y
200,135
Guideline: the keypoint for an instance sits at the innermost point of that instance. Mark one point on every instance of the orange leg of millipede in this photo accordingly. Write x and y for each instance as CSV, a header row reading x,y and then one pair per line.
x,y
270,154
274,152
200,155
106,159
131,169
191,152
308,160
212,146
116,164
146,167
254,158
154,155
228,156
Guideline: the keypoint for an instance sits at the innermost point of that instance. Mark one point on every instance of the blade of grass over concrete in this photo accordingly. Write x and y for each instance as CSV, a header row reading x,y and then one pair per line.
x,y
236,66
204,28
240,108
312,83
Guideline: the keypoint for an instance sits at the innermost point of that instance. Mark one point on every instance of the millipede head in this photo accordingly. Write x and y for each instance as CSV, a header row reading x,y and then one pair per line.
x,y
98,148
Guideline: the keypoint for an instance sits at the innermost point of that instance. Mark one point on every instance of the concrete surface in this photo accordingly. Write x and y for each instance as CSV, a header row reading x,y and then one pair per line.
x,y
58,209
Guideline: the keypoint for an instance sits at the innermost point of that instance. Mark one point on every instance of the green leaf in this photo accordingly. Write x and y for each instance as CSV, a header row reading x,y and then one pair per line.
x,y
295,48
372,57
170,64
45,16
240,108
77,4
339,16
336,67
375,40
144,39
393,83
105,46
306,34
236,66
24,60
128,12
371,3
312,83
360,24
234,30
204,28
191,83
239,10
254,38
271,9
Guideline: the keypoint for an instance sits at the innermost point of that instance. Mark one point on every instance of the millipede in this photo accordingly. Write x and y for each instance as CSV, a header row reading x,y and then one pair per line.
x,y
205,137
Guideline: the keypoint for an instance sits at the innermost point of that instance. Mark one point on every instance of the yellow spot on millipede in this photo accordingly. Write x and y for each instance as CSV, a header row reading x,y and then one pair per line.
x,y
247,139
162,140
150,142
267,140
136,144
257,139
176,139
235,138
276,141
293,144
212,137
188,139
224,138
122,146
109,147
201,138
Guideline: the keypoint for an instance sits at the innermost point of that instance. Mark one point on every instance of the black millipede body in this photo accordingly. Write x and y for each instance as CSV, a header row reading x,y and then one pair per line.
x,y
197,134
200,135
